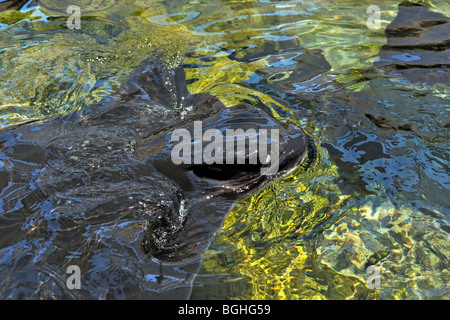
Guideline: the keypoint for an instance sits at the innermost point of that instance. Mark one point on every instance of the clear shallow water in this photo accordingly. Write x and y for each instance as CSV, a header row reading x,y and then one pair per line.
x,y
381,176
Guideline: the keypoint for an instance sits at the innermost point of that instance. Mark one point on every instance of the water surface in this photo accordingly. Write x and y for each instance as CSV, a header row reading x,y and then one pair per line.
x,y
376,194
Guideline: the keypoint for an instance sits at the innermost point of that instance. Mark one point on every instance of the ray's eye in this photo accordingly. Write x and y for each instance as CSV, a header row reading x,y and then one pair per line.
x,y
279,76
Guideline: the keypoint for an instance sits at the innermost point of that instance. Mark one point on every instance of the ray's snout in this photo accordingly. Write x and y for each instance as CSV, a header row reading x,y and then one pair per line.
x,y
239,148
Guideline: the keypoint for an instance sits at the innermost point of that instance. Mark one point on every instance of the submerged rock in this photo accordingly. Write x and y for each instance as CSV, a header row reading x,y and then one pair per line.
x,y
418,47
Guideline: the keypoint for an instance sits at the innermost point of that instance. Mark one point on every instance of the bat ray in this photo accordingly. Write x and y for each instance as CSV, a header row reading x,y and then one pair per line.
x,y
97,189
417,48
